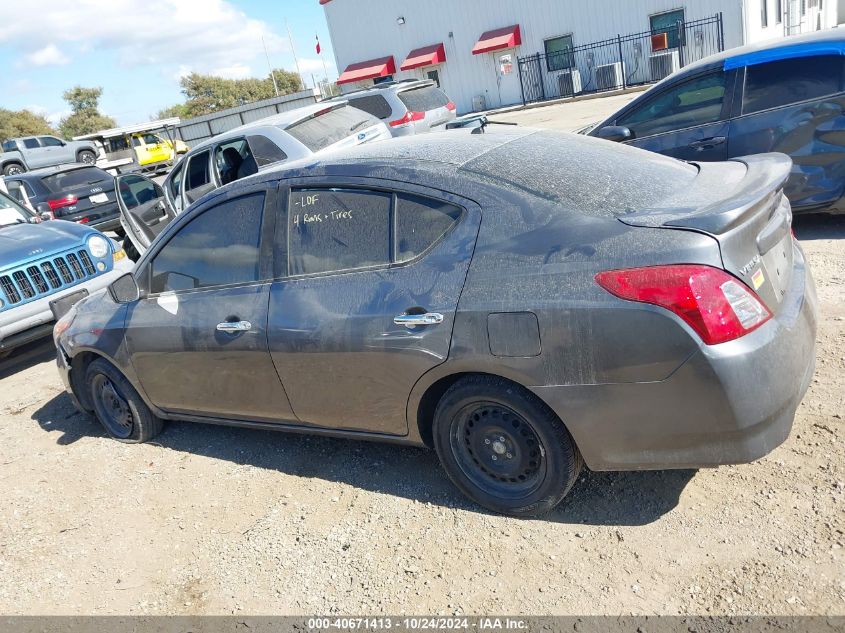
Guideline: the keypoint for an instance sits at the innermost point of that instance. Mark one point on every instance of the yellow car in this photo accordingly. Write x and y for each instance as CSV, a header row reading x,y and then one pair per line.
x,y
151,149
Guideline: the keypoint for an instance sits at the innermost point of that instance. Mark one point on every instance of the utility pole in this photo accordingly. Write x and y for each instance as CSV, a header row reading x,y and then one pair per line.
x,y
293,50
270,66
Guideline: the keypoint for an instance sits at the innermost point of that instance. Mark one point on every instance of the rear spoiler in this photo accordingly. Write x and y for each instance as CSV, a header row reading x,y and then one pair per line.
x,y
760,187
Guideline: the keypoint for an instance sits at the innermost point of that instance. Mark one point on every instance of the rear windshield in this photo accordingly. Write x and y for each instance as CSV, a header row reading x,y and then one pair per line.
x,y
326,129
423,99
75,178
582,174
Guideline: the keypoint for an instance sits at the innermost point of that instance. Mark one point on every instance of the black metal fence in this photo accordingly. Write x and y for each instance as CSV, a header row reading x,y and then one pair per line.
x,y
619,62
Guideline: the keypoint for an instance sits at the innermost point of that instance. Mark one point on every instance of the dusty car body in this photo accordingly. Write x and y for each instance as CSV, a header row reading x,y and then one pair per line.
x,y
520,300
784,95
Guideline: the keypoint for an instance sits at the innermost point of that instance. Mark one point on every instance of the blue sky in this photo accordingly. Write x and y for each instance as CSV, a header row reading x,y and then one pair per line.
x,y
136,50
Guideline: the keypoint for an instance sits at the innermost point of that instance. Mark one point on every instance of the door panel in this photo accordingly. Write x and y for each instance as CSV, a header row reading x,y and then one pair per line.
x,y
702,143
186,364
344,362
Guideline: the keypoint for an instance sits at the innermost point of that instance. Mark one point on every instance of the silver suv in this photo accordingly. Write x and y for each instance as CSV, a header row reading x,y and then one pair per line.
x,y
409,106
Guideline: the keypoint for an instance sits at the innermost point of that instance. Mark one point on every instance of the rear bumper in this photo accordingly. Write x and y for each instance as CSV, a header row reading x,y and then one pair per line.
x,y
727,404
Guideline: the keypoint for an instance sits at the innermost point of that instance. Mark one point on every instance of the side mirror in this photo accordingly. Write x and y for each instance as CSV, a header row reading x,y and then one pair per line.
x,y
616,133
125,289
44,211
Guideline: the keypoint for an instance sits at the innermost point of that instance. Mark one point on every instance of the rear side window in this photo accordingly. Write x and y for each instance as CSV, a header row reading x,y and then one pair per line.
x,y
691,103
75,178
374,104
421,222
423,99
330,127
788,81
219,247
335,229
30,143
265,151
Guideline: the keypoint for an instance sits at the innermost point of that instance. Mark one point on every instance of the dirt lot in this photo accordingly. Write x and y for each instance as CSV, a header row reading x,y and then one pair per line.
x,y
214,520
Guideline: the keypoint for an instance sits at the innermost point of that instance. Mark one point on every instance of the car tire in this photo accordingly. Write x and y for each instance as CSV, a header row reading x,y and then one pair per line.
x,y
87,157
503,447
13,169
131,252
117,405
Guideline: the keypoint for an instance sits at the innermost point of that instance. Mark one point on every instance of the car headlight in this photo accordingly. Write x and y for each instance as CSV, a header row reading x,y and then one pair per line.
x,y
98,246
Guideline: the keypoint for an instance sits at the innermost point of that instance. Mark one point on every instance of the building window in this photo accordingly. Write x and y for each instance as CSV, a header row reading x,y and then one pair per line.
x,y
668,23
803,8
764,13
778,11
559,54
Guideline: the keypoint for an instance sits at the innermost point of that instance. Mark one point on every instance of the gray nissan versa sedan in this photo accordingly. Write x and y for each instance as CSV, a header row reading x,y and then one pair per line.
x,y
523,301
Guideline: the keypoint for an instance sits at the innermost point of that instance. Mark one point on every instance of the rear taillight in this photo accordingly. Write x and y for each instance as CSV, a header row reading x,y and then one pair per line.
x,y
409,116
451,106
58,203
716,305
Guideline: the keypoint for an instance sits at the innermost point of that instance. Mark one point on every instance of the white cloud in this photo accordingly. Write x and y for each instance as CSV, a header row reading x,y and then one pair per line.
x,y
51,116
309,65
236,71
50,55
200,35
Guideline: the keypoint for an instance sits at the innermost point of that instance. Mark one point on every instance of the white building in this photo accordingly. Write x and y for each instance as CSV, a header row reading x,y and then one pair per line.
x,y
471,47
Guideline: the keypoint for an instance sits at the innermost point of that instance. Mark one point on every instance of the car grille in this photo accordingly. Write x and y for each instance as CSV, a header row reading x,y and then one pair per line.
x,y
46,277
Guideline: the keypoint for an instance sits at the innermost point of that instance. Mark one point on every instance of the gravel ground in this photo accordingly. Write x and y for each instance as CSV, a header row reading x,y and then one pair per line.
x,y
211,520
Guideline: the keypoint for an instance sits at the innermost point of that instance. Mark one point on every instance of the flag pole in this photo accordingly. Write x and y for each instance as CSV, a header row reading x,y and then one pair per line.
x,y
270,66
293,50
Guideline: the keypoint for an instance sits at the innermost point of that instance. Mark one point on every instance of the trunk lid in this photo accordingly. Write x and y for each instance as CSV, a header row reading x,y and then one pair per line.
x,y
741,204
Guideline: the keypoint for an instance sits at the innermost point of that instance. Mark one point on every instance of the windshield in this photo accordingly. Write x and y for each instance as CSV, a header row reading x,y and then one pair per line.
x,y
11,212
322,130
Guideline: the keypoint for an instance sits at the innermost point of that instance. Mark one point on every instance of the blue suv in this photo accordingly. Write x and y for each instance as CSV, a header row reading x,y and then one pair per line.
x,y
44,268
780,96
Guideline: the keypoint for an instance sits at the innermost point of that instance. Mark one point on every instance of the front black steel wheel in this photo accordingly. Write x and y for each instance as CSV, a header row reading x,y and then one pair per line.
x,y
503,447
117,405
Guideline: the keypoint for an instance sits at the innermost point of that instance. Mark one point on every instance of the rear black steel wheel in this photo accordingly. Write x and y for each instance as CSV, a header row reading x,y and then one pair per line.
x,y
117,405
503,447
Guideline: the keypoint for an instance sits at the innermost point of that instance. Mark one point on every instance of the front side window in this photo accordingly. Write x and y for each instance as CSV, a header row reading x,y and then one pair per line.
x,y
330,126
234,160
691,103
218,247
19,191
559,54
789,81
198,175
175,184
668,23
50,141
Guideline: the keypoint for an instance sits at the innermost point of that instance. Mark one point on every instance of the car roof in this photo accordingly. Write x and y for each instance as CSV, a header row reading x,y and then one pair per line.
x,y
578,173
55,169
281,120
817,37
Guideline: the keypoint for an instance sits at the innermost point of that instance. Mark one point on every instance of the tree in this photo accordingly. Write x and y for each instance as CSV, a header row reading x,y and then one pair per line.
x,y
15,123
86,117
178,109
205,94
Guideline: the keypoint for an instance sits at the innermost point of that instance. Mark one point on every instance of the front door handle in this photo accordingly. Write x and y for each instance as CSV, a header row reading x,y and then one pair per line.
x,y
413,320
708,143
234,326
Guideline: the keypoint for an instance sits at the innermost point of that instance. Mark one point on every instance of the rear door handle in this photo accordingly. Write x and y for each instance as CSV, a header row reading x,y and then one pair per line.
x,y
708,143
413,320
234,326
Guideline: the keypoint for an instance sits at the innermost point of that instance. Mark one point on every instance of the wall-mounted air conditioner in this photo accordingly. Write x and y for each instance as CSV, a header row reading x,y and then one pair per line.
x,y
663,64
569,83
609,76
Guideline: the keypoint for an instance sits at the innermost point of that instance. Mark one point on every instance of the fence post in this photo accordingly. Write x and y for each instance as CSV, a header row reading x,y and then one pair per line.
x,y
540,76
521,83
721,31
681,40
621,61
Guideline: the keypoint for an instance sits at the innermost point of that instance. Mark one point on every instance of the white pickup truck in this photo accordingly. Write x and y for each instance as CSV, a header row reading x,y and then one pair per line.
x,y
33,152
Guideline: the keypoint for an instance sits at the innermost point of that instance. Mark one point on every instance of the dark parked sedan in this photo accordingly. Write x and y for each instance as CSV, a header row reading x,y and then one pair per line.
x,y
779,96
519,300
78,193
